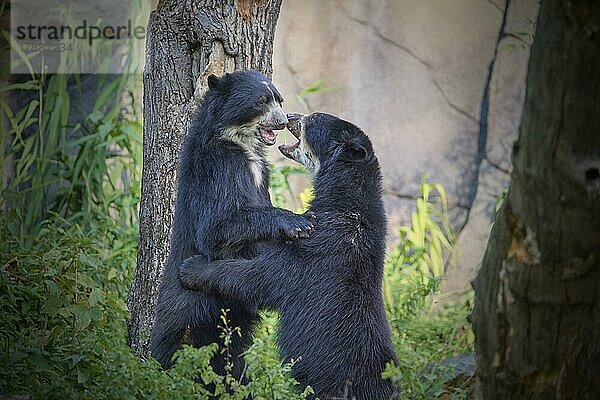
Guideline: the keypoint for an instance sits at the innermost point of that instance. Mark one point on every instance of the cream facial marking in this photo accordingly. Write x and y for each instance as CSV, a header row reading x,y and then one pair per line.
x,y
267,85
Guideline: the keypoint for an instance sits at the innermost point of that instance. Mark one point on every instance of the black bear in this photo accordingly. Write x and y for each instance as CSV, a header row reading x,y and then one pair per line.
x,y
327,287
223,209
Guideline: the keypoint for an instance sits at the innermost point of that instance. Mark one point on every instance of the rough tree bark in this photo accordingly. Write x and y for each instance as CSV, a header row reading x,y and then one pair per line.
x,y
537,304
186,41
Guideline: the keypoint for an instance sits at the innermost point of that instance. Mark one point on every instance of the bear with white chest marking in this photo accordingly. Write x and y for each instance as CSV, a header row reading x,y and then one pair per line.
x,y
223,210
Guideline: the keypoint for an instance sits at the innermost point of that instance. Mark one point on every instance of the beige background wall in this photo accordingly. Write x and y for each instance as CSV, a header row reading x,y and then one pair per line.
x,y
414,75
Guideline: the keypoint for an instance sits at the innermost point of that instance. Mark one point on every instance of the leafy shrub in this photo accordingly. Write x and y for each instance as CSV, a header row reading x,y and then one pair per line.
x,y
63,332
423,337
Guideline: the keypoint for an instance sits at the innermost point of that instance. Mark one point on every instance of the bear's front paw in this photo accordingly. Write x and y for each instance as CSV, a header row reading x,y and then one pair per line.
x,y
189,275
296,226
311,216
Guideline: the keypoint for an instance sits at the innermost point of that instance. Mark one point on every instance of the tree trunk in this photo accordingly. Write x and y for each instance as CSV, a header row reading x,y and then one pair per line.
x,y
187,40
537,304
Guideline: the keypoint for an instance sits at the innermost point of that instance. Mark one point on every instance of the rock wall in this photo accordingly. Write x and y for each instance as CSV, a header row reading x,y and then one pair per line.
x,y
437,85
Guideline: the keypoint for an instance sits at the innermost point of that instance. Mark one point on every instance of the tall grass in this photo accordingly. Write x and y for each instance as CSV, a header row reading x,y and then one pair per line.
x,y
419,257
54,162
423,336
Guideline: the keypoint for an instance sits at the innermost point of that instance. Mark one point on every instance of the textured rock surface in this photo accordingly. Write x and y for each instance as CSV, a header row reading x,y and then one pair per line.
x,y
438,86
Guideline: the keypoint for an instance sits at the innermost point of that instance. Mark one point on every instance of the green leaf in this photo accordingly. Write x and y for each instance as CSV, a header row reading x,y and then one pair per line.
x,y
86,281
82,317
120,304
91,259
83,374
29,85
95,116
39,360
95,314
52,286
74,359
55,333
96,296
112,273
52,306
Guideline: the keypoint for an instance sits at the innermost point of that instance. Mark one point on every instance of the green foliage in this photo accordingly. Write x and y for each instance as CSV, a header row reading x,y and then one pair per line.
x,y
270,379
421,342
423,337
53,164
416,265
71,169
60,300
63,331
306,196
426,243
279,183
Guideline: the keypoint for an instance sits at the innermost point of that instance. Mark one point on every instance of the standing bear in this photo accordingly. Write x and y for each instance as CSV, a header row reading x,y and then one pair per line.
x,y
223,210
327,287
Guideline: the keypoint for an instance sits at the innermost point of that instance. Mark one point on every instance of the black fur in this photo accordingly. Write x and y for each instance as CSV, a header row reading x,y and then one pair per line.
x,y
327,287
220,213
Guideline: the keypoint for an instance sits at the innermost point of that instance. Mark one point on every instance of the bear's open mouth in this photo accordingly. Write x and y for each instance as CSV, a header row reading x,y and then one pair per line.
x,y
288,150
267,136
295,127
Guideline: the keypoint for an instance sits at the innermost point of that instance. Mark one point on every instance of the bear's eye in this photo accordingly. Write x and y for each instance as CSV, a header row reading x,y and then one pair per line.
x,y
261,102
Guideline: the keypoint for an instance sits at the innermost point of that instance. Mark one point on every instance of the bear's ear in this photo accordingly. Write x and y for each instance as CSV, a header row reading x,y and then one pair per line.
x,y
355,151
214,83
